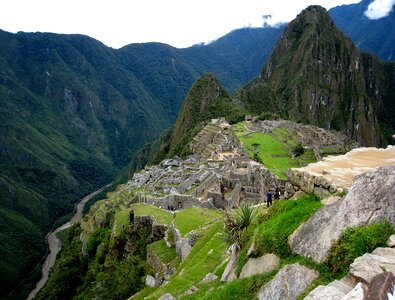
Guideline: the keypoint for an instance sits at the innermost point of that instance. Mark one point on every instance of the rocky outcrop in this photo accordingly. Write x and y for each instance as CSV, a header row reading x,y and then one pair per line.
x,y
289,283
366,279
370,199
367,266
260,265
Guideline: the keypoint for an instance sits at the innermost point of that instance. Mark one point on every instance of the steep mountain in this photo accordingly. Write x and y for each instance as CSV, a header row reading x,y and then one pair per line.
x,y
206,100
316,75
368,35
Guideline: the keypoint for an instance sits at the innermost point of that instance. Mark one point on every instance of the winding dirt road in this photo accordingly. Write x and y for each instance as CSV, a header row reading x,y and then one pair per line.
x,y
54,244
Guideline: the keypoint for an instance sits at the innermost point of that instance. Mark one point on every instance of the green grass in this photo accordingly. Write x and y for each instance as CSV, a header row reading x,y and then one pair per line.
x,y
121,221
284,217
356,242
205,257
246,288
166,254
192,218
160,215
274,154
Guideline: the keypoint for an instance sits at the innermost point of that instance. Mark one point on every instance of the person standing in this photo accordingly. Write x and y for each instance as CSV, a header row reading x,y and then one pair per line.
x,y
277,194
269,196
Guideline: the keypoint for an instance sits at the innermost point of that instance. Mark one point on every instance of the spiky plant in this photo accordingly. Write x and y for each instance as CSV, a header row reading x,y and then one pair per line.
x,y
236,225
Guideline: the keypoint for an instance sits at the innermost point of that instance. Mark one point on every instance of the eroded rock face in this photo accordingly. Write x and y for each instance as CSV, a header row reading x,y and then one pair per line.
x,y
370,199
289,283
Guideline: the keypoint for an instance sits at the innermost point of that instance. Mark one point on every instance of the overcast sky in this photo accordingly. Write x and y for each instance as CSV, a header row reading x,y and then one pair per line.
x,y
180,23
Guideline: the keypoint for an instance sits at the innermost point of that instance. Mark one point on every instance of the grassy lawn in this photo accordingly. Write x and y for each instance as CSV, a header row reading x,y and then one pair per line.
x,y
271,235
275,155
160,215
192,218
165,253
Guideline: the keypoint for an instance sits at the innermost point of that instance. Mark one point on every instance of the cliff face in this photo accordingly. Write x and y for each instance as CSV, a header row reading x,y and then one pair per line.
x,y
316,75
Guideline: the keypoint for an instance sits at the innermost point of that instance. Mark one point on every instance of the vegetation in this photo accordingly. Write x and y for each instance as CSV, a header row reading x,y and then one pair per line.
x,y
237,224
192,218
356,242
160,215
271,235
274,150
166,254
205,257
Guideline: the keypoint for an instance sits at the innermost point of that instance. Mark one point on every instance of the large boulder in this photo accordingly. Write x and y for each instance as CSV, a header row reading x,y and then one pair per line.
x,y
370,199
290,282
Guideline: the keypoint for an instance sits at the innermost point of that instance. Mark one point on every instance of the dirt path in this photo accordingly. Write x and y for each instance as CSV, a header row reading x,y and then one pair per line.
x,y
54,244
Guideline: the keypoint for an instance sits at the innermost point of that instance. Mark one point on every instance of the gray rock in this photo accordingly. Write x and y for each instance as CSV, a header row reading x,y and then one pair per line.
x,y
191,290
289,188
210,277
229,273
357,293
324,292
330,200
167,296
369,200
150,281
260,265
367,266
321,192
183,248
391,241
289,283
253,250
297,195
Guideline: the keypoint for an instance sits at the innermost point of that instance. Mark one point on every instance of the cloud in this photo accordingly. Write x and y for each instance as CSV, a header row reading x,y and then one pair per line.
x,y
379,9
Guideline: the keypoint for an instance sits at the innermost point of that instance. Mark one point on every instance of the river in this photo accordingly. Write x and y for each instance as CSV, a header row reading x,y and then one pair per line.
x,y
54,244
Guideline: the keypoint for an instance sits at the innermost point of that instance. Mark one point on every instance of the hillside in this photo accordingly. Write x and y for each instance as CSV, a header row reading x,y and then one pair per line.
x,y
316,75
166,225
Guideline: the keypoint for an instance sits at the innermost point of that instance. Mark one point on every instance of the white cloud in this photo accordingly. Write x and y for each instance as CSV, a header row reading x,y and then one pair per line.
x,y
379,9
180,23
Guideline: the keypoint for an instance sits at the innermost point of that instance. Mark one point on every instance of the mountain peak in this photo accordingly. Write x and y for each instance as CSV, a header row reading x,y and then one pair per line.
x,y
316,75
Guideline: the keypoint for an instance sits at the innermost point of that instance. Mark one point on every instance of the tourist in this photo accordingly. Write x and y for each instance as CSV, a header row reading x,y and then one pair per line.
x,y
277,194
269,196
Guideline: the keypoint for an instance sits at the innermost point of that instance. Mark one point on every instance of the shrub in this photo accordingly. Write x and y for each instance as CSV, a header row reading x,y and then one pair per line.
x,y
96,238
298,150
355,242
268,116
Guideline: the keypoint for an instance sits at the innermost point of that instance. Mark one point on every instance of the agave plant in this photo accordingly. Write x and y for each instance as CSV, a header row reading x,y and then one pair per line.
x,y
236,225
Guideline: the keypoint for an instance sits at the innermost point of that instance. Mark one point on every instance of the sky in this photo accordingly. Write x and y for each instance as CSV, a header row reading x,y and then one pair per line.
x,y
179,23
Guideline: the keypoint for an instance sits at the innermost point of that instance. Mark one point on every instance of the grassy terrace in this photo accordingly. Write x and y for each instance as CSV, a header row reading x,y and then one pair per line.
x,y
206,256
165,253
161,216
274,150
192,218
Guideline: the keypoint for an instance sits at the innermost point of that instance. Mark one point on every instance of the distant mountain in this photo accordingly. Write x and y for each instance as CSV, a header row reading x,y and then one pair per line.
x,y
376,36
315,75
